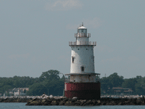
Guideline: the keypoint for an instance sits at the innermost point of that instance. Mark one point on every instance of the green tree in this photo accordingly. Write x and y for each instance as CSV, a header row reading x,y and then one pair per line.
x,y
50,82
49,75
37,89
129,83
107,83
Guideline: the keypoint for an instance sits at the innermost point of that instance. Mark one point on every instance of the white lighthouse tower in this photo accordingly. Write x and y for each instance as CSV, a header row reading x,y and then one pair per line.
x,y
82,77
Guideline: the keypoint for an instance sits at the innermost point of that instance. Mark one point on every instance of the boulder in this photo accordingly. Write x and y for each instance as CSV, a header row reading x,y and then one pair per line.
x,y
103,103
82,102
69,103
62,102
35,103
51,96
54,102
77,103
120,103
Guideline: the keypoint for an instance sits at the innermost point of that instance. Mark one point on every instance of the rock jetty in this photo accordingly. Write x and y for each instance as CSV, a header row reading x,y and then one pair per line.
x,y
63,101
80,102
15,99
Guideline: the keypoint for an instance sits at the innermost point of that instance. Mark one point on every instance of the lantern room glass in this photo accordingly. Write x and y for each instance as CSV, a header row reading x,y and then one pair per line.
x,y
82,31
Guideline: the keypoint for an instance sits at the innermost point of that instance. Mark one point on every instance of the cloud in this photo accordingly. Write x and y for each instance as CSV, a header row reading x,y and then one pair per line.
x,y
63,5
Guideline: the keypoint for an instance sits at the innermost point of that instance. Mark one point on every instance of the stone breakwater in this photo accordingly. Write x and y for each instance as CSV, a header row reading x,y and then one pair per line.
x,y
15,100
60,100
93,102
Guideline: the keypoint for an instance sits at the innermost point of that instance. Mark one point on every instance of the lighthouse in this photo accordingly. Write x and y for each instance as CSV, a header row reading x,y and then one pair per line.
x,y
81,81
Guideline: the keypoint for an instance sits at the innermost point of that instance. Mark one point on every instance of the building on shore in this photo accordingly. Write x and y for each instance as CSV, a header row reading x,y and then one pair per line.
x,y
81,82
18,91
120,90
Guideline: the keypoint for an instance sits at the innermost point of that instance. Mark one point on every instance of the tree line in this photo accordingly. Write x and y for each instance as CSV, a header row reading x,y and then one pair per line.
x,y
51,82
137,84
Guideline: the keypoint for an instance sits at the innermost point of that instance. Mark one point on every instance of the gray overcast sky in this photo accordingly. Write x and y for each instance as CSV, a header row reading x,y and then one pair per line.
x,y
34,35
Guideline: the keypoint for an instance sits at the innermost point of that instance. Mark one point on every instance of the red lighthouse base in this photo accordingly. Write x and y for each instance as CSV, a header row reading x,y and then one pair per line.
x,y
83,90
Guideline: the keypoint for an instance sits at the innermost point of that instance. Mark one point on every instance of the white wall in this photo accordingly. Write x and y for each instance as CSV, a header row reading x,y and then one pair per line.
x,y
82,78
84,56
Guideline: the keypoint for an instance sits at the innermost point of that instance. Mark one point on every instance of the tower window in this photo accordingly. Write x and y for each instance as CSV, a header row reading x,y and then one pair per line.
x,y
82,68
73,58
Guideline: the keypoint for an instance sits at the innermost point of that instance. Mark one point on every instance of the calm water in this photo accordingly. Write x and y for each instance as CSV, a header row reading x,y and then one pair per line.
x,y
22,106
